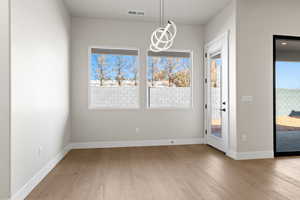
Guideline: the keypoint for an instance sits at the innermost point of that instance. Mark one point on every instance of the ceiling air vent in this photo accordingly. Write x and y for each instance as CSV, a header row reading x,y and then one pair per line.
x,y
134,12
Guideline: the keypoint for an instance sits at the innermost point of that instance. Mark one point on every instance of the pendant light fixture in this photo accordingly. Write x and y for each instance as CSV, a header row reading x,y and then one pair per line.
x,y
163,37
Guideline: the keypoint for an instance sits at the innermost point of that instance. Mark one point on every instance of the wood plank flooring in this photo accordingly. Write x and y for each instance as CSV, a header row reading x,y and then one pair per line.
x,y
195,172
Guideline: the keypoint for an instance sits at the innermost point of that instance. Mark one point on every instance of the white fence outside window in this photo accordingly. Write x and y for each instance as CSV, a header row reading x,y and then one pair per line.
x,y
114,97
173,97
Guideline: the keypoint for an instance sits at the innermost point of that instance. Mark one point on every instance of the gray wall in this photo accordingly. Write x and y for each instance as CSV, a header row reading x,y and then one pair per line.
x,y
4,100
221,23
119,125
258,21
40,85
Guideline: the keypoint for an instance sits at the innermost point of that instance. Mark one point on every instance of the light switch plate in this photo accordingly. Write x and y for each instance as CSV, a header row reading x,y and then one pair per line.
x,y
247,99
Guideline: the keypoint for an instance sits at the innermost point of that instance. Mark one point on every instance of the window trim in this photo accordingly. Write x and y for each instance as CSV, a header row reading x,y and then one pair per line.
x,y
174,108
89,106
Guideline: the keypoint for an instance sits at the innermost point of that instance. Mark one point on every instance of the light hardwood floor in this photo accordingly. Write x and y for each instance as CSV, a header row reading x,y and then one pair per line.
x,y
193,172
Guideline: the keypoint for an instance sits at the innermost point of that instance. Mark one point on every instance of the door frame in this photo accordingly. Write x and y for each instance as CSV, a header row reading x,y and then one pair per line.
x,y
218,45
279,37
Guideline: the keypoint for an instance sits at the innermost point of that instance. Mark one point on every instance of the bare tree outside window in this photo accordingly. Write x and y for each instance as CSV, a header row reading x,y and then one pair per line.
x,y
114,78
171,65
102,71
135,75
153,69
169,80
119,69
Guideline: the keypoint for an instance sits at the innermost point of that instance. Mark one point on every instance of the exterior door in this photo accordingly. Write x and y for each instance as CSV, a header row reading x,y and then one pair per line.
x,y
216,81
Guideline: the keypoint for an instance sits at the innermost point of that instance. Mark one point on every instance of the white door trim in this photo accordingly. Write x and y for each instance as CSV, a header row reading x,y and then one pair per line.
x,y
219,45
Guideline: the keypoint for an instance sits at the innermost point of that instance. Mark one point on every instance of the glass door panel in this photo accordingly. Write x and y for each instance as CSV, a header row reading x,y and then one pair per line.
x,y
216,95
287,96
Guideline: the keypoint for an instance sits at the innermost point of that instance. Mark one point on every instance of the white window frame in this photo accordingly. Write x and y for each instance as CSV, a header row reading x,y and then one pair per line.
x,y
191,107
90,107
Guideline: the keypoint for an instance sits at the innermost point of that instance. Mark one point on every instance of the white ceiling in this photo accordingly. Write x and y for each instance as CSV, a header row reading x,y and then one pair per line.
x,y
181,11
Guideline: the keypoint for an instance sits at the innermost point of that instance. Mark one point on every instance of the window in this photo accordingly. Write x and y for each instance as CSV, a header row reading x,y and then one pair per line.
x,y
113,78
169,79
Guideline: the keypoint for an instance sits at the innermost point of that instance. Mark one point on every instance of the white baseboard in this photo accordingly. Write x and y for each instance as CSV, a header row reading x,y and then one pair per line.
x,y
232,154
140,143
250,155
40,175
